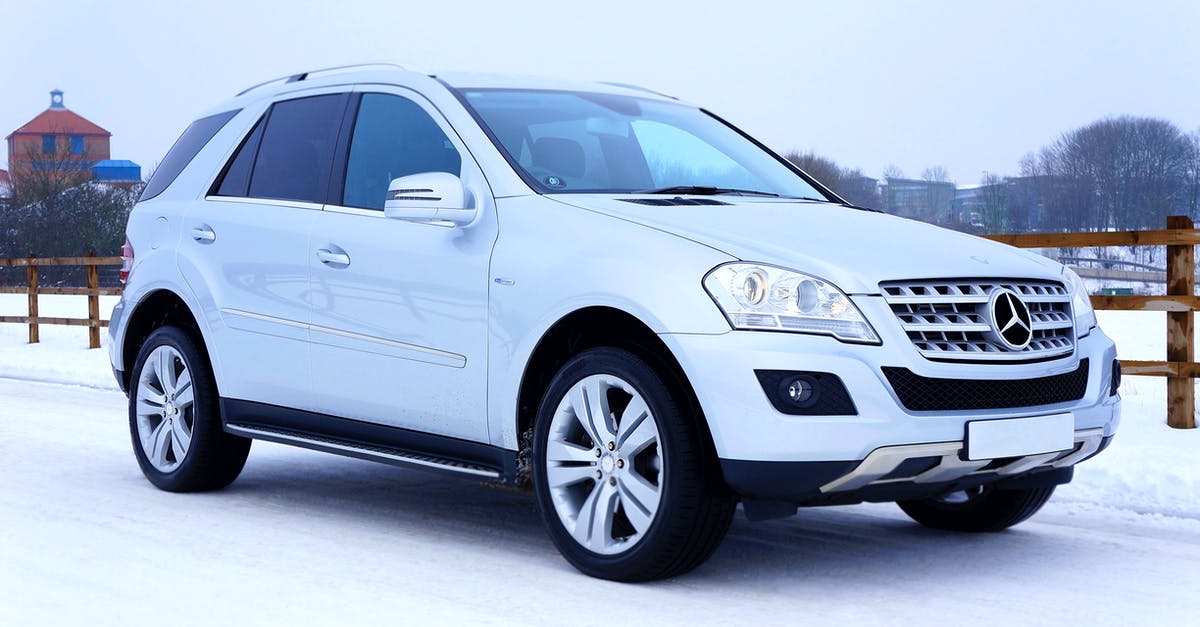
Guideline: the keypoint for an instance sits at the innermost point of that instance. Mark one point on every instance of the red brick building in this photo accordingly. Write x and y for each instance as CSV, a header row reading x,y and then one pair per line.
x,y
58,139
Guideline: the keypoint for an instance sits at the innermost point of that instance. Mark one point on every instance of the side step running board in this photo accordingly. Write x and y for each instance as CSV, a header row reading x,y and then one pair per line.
x,y
362,451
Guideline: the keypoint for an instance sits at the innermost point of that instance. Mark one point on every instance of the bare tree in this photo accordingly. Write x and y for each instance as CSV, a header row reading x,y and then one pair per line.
x,y
993,193
850,184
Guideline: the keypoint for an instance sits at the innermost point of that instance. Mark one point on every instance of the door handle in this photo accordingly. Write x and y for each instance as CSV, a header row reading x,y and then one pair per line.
x,y
204,233
332,258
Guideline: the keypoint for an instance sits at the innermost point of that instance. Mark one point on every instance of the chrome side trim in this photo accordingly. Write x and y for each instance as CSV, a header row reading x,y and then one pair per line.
x,y
264,318
355,211
294,204
458,361
883,461
336,447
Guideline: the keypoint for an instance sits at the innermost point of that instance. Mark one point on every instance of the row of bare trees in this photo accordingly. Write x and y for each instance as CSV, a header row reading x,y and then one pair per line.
x,y
1117,173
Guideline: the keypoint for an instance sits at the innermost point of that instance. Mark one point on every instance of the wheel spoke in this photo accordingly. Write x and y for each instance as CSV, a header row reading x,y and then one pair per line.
x,y
593,527
148,406
640,519
158,444
181,437
640,432
641,495
184,395
598,411
559,451
165,369
561,476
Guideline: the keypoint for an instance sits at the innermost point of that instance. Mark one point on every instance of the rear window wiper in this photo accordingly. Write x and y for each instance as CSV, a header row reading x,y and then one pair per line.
x,y
704,190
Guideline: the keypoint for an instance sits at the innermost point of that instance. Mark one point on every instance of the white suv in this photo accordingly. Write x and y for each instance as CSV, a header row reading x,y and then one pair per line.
x,y
597,289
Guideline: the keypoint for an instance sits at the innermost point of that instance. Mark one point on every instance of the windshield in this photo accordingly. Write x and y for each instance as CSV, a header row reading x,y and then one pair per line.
x,y
587,142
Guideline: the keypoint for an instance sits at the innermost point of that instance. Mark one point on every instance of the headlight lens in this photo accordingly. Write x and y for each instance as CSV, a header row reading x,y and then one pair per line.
x,y
1085,316
761,297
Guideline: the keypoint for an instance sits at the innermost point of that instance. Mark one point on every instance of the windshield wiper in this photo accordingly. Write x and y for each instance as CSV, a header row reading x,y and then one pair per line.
x,y
704,190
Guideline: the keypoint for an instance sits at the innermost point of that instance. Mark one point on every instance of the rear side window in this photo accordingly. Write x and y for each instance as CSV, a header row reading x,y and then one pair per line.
x,y
393,137
236,179
184,150
296,150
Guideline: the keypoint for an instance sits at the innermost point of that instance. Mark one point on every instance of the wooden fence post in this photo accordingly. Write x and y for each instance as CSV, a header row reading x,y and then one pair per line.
x,y
1181,281
32,274
93,284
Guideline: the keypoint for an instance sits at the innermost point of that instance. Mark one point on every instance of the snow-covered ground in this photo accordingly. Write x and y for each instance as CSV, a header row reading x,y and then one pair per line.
x,y
304,537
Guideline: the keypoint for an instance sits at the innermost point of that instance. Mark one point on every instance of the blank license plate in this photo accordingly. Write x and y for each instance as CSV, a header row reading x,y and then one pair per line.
x,y
990,439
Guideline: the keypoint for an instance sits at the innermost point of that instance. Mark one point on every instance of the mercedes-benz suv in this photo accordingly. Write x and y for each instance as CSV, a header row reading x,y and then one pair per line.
x,y
612,296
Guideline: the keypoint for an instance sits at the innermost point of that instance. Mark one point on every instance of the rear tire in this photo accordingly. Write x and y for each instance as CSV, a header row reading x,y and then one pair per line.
x,y
627,492
978,510
175,419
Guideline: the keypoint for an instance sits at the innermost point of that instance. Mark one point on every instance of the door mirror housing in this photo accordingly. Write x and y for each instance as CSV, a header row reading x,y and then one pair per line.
x,y
437,197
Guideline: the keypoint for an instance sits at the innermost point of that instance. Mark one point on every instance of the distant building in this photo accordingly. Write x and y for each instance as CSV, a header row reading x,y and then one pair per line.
x,y
62,141
5,185
117,171
928,201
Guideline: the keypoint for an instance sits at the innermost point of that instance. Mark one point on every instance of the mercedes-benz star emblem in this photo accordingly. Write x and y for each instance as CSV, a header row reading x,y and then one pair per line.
x,y
1011,322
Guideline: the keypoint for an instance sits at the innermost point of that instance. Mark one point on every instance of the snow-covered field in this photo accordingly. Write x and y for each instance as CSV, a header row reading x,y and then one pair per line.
x,y
304,537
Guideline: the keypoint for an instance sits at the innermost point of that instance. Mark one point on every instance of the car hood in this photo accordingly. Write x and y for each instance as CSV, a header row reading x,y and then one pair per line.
x,y
853,248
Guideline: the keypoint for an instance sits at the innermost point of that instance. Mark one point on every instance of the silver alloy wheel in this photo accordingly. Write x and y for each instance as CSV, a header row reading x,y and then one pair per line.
x,y
165,408
604,466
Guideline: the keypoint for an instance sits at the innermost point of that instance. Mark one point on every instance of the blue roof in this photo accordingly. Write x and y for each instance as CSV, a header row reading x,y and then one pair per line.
x,y
115,163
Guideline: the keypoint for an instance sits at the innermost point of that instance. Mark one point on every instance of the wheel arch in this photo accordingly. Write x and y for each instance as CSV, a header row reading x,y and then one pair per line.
x,y
158,308
592,327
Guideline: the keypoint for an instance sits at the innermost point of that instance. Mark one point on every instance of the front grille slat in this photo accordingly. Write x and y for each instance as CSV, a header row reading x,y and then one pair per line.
x,y
919,393
947,319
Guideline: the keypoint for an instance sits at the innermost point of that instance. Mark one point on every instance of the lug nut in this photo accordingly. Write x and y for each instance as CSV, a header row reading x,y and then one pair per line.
x,y
612,481
620,463
599,474
612,446
599,453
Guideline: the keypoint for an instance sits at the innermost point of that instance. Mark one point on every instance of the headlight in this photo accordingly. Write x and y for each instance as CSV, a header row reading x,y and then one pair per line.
x,y
1085,316
761,297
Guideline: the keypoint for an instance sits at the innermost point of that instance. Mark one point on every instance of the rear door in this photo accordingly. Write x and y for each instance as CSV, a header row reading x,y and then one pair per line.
x,y
399,323
245,251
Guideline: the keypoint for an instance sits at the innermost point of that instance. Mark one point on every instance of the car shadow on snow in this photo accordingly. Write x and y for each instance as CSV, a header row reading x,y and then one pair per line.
x,y
850,544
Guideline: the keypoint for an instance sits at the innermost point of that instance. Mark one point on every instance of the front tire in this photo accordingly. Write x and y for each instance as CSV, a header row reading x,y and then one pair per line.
x,y
978,509
623,477
174,418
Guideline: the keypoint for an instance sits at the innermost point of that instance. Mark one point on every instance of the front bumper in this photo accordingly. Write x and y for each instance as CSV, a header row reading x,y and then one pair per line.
x,y
746,427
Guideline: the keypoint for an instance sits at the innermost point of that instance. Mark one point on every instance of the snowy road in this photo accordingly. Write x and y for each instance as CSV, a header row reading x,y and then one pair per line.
x,y
306,538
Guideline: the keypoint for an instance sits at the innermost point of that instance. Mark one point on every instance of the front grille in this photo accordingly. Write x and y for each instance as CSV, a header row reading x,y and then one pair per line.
x,y
947,319
920,393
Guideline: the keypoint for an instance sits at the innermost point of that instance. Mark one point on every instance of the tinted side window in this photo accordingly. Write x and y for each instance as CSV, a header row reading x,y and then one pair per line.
x,y
297,149
393,137
185,148
236,179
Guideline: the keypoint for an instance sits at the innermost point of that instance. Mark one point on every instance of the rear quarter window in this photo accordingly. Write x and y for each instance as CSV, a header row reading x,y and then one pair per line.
x,y
185,149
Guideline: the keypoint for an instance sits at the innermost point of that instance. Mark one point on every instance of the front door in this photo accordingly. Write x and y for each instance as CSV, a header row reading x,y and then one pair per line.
x,y
399,309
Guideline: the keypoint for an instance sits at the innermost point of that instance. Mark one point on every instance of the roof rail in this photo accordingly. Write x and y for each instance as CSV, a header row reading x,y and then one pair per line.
x,y
638,88
293,78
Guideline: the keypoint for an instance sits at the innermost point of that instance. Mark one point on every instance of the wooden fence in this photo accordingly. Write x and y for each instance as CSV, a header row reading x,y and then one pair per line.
x,y
93,291
1180,303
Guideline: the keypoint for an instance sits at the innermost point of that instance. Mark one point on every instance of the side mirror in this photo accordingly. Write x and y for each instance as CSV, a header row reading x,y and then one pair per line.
x,y
428,197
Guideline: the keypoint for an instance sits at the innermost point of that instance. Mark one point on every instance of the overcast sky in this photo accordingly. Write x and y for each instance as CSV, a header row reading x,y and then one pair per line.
x,y
969,85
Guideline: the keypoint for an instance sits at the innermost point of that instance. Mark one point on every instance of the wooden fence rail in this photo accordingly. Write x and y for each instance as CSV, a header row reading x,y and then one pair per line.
x,y
93,291
1180,303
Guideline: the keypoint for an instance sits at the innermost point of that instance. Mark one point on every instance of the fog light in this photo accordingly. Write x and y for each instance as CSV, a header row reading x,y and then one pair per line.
x,y
800,390
801,393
